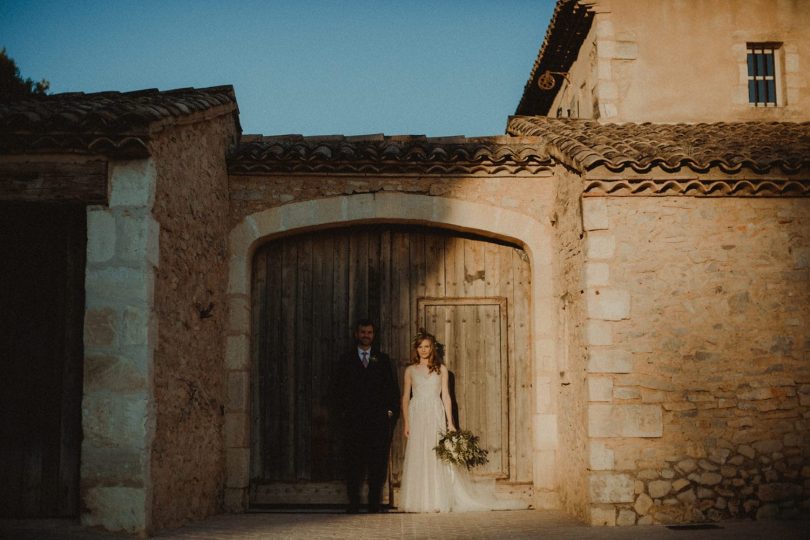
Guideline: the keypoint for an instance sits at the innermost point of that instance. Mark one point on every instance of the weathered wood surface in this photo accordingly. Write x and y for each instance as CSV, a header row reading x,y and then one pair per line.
x,y
47,181
473,333
308,290
41,347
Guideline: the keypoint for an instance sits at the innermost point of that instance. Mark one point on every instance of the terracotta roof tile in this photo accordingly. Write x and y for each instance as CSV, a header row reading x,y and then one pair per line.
x,y
729,147
114,123
380,154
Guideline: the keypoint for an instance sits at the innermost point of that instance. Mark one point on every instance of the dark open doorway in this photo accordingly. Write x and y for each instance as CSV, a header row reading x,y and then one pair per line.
x,y
41,317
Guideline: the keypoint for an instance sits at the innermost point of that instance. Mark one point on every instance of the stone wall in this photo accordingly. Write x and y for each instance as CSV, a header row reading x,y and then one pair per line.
x,y
525,194
191,206
699,341
118,419
571,386
636,49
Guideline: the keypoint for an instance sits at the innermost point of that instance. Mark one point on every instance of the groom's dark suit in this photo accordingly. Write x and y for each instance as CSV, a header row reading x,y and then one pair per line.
x,y
366,394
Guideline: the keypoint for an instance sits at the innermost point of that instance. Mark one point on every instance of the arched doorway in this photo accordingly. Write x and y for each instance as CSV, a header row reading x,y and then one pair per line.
x,y
307,289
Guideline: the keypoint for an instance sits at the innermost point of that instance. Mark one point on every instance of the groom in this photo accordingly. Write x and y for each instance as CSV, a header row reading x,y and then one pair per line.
x,y
369,407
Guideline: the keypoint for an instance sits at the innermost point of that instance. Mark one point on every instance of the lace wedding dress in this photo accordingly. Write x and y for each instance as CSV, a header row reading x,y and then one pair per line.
x,y
429,484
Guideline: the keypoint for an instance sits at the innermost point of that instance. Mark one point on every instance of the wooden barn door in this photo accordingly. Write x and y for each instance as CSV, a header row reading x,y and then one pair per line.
x,y
307,292
41,317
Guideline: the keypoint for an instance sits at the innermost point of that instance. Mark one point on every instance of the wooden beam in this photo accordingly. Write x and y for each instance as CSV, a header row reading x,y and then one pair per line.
x,y
54,181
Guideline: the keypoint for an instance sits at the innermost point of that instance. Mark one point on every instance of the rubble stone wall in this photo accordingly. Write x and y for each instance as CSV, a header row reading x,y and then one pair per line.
x,y
191,207
698,374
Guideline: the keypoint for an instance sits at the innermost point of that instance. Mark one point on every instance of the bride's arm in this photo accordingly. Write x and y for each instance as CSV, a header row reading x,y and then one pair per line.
x,y
406,399
448,404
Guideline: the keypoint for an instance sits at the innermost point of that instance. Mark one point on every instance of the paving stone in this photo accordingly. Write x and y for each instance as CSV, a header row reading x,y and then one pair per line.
x,y
479,525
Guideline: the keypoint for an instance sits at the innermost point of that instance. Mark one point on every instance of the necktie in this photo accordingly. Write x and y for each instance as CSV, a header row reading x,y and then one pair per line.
x,y
365,359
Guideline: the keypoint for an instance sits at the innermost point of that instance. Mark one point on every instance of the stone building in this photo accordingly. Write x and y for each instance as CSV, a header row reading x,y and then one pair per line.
x,y
625,306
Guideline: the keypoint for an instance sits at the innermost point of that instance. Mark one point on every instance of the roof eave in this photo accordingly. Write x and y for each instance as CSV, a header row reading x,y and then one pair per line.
x,y
569,25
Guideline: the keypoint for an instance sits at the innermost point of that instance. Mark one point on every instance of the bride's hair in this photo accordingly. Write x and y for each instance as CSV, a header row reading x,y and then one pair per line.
x,y
434,363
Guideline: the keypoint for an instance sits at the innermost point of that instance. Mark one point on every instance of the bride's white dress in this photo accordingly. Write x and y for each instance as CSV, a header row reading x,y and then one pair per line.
x,y
429,484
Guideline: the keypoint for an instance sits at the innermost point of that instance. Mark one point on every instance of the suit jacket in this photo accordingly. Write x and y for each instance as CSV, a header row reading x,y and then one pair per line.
x,y
366,394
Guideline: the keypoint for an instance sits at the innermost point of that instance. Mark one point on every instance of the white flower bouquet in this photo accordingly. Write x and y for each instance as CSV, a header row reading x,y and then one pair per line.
x,y
461,448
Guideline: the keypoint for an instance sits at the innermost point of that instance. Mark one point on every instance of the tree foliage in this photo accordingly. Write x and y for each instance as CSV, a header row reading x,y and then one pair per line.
x,y
12,85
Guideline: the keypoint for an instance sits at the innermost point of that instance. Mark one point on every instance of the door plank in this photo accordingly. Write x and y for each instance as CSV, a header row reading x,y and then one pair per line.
x,y
474,268
302,416
322,287
522,378
288,352
261,374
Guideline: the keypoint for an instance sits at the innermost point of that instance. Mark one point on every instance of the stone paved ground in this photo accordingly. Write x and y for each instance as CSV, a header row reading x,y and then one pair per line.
x,y
522,524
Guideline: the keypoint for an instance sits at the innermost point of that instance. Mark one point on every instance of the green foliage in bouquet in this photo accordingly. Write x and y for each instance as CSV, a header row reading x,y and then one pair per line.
x,y
461,448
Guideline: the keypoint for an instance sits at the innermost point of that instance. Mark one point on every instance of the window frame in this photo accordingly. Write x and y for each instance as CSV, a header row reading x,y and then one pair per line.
x,y
764,48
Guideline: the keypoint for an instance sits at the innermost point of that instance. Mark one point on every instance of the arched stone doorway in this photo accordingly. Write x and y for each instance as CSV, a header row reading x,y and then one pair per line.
x,y
308,289
472,218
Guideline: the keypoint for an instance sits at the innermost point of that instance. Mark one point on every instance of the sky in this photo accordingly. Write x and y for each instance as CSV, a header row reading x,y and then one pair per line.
x,y
437,68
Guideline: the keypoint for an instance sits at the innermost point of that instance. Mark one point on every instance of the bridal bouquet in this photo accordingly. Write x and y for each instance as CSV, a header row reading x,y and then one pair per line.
x,y
461,448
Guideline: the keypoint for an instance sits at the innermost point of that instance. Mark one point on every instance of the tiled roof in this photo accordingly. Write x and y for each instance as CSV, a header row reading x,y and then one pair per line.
x,y
729,147
569,25
380,154
108,123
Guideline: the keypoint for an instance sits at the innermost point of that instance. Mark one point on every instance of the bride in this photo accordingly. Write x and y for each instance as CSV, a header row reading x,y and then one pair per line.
x,y
429,484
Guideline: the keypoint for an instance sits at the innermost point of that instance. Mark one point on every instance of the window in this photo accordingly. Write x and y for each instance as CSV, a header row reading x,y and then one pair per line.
x,y
763,71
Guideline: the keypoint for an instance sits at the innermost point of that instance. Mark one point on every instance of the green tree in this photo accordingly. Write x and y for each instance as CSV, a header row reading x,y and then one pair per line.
x,y
12,85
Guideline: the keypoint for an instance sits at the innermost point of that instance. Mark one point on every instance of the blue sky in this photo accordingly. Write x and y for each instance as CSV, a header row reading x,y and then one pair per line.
x,y
442,67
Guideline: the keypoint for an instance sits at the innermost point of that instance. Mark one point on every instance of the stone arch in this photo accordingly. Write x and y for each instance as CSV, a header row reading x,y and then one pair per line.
x,y
494,222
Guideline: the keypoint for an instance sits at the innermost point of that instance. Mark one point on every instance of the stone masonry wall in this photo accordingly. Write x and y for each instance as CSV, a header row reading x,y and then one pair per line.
x,y
699,341
118,417
572,402
250,194
191,206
